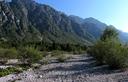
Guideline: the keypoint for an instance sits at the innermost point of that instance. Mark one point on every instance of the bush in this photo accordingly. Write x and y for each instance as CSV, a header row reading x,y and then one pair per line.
x,y
117,57
30,55
9,70
45,53
79,52
23,66
61,58
56,53
8,53
110,51
59,55
97,51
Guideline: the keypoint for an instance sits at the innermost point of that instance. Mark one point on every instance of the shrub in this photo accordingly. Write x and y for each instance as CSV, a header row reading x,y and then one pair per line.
x,y
59,55
117,57
110,51
110,33
8,53
45,53
97,52
56,53
9,70
61,58
79,52
11,53
30,54
23,66
45,61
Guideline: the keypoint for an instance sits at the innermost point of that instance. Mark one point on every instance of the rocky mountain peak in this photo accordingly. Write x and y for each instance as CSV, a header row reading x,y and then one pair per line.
x,y
29,21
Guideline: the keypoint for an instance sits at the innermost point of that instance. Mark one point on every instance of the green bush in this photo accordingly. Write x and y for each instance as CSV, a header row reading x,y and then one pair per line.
x,y
109,50
30,54
61,58
56,53
9,70
79,52
117,57
59,55
8,53
45,53
111,53
97,51
23,66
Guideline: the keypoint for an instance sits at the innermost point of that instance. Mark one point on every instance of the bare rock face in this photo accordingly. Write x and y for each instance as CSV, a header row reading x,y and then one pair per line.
x,y
29,21
6,19
26,20
12,27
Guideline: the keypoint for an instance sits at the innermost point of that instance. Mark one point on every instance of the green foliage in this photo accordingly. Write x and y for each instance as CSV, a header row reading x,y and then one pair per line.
x,y
8,53
61,58
9,70
79,52
110,51
60,55
97,52
30,54
56,53
23,66
109,33
117,56
45,53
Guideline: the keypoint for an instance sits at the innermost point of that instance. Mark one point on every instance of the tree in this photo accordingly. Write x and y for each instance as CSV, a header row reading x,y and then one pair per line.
x,y
109,50
109,33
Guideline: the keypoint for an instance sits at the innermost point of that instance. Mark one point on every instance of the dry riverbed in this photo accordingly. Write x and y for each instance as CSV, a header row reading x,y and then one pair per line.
x,y
79,68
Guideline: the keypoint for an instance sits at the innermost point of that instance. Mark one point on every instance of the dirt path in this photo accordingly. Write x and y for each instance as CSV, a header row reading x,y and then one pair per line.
x,y
80,68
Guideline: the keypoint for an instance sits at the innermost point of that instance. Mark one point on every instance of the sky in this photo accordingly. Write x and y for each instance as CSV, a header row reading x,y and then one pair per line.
x,y
111,12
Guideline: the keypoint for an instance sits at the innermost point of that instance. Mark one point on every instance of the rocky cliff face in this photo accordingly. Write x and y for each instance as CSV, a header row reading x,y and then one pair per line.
x,y
28,21
13,27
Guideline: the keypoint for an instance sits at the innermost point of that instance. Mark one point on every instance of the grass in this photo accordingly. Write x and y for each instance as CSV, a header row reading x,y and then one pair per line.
x,y
56,53
61,58
61,55
9,70
10,53
30,54
12,70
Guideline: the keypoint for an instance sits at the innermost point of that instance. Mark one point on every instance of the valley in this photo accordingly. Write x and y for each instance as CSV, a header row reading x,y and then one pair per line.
x,y
39,43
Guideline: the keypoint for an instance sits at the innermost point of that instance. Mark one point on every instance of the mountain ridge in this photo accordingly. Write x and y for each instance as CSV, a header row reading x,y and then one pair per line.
x,y
29,21
92,23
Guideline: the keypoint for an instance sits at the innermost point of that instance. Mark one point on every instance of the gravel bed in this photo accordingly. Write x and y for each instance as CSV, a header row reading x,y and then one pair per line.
x,y
81,68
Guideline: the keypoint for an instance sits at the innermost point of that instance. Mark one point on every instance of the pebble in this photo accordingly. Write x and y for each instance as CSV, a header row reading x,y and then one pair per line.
x,y
76,70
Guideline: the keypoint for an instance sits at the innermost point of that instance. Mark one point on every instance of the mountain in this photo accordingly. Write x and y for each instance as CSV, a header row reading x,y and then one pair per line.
x,y
123,36
96,28
14,25
91,25
29,21
26,20
98,23
76,19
